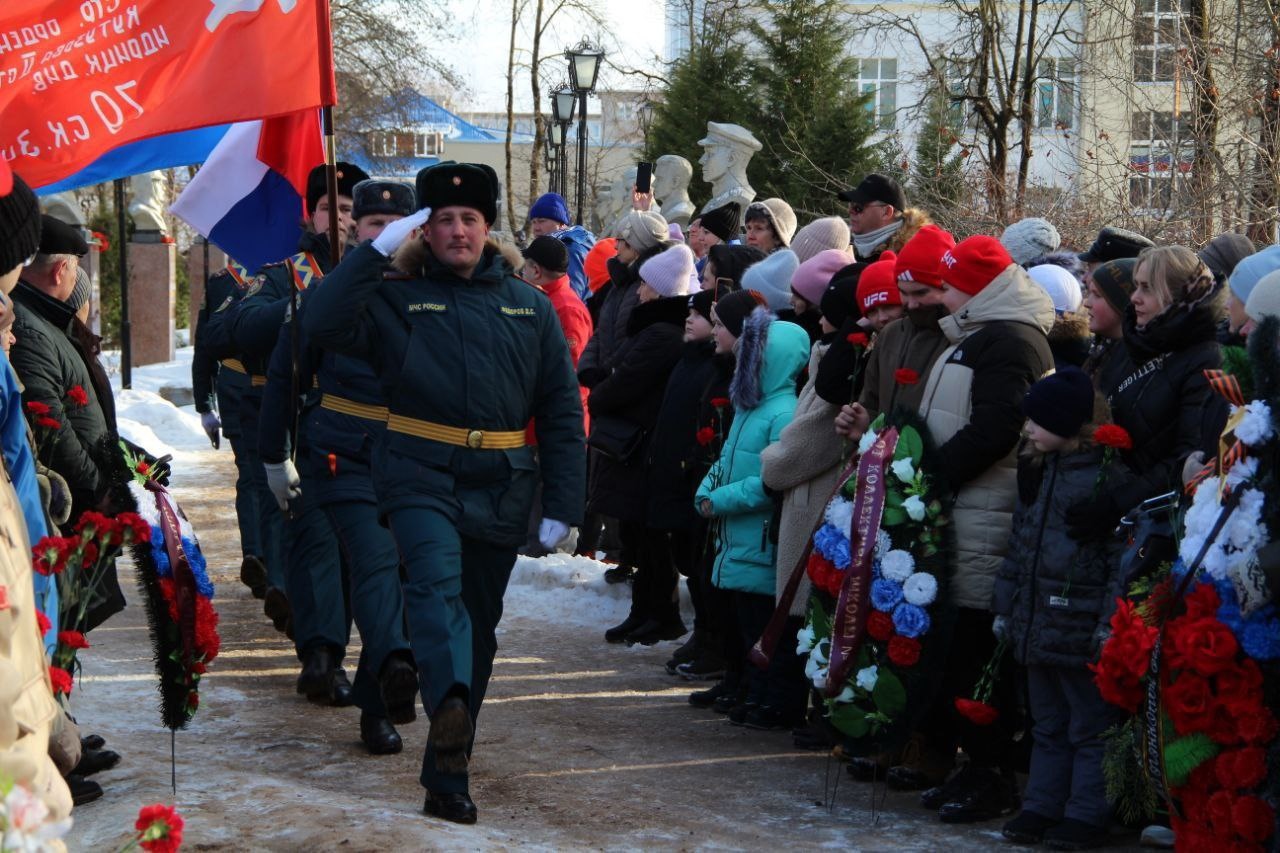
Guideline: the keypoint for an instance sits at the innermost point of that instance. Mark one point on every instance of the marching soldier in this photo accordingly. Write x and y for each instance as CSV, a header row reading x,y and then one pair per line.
x,y
335,435
224,383
467,355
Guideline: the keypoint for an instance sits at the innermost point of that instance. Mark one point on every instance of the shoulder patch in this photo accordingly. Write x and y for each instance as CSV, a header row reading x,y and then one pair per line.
x,y
255,285
226,303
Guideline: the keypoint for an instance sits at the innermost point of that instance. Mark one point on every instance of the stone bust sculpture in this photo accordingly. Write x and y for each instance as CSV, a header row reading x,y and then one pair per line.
x,y
149,200
671,177
623,188
64,206
727,150
602,209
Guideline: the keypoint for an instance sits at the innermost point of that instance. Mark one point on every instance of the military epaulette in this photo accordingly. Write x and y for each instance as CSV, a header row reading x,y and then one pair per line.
x,y
395,275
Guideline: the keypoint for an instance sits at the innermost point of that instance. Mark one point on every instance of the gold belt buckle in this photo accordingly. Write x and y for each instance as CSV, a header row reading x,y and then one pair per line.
x,y
475,439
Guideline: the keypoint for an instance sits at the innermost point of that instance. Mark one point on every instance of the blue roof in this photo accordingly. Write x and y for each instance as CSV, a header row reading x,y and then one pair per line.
x,y
422,113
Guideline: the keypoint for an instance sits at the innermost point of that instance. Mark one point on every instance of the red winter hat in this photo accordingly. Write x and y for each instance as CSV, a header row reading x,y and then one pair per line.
x,y
920,259
974,263
878,284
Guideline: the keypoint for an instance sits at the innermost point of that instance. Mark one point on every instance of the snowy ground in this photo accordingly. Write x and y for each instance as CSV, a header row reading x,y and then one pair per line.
x,y
582,745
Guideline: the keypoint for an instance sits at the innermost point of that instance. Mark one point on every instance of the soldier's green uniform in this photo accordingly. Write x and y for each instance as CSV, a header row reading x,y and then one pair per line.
x,y
465,363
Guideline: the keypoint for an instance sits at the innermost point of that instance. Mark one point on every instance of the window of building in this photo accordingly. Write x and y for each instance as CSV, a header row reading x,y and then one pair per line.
x,y
1156,36
1160,156
1056,93
878,79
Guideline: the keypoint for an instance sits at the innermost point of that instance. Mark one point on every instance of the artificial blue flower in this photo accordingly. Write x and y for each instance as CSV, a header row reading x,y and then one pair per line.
x,y
1260,638
908,619
885,595
834,545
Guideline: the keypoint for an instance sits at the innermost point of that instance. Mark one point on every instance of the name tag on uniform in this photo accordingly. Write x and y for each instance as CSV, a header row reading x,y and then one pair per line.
x,y
420,307
517,312
1059,601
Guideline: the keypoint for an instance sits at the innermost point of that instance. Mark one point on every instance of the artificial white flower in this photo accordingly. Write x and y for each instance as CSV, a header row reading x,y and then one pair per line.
x,y
845,696
914,507
1235,550
1244,470
805,640
897,565
866,678
920,589
1256,427
27,823
883,543
904,470
820,679
811,667
839,514
868,439
822,650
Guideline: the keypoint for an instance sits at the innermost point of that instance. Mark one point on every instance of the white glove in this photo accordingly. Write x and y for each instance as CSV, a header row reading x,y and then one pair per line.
x,y
1000,627
283,481
551,533
1195,462
212,426
397,232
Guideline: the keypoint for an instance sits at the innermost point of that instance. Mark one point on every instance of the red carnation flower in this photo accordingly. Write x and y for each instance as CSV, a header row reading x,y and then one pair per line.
x,y
51,554
37,408
207,640
880,625
1113,435
91,522
1218,811
858,339
43,623
720,402
1190,703
78,395
134,524
48,422
1205,646
72,640
904,651
143,468
160,828
906,376
1252,819
61,680
705,436
1241,768
978,713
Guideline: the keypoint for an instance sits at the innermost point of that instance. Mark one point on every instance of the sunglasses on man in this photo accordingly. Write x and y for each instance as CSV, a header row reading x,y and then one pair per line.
x,y
858,208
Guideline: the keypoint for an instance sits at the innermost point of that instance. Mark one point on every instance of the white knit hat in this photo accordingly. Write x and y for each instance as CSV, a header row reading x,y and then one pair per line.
x,y
829,232
779,214
771,278
1063,288
1264,299
1028,239
642,229
669,272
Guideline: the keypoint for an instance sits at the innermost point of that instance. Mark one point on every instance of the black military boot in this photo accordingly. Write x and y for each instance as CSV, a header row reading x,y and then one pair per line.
x,y
398,683
314,681
455,807
275,604
450,735
378,735
253,574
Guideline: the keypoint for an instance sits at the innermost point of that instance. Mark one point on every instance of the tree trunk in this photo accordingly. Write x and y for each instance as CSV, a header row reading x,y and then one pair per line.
x,y
1204,125
1026,104
535,63
511,115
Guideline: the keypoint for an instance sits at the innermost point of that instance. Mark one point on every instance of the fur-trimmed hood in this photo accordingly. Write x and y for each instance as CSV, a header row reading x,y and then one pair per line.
x,y
1069,326
414,256
913,219
770,355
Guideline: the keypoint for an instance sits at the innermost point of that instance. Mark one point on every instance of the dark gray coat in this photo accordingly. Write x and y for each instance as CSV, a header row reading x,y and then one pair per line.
x,y
1056,592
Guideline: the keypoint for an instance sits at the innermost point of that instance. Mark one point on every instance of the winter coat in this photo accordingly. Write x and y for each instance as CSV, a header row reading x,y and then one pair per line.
x,y
914,343
575,320
675,463
804,465
49,363
578,241
1069,340
973,408
1055,591
601,355
633,394
1162,397
770,355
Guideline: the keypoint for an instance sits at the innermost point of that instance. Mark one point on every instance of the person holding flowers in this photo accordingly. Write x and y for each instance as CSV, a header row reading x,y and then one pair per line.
x,y
1053,600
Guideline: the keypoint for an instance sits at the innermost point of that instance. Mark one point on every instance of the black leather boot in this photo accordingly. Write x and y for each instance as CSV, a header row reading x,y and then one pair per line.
x,y
378,735
455,807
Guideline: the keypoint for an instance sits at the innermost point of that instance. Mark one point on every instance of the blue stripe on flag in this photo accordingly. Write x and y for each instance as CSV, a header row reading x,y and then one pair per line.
x,y
264,226
146,155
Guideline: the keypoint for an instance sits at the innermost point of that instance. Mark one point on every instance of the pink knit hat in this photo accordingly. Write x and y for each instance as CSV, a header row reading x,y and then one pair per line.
x,y
669,272
812,277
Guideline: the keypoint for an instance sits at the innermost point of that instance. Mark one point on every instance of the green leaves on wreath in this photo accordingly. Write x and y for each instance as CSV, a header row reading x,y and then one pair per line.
x,y
889,694
910,445
1185,754
851,720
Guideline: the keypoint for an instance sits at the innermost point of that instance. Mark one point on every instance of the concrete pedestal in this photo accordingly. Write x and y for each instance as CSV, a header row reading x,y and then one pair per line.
x,y
197,276
152,292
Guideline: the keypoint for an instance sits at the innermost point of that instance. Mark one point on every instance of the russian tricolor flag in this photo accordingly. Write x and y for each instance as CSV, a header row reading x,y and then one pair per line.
x,y
248,198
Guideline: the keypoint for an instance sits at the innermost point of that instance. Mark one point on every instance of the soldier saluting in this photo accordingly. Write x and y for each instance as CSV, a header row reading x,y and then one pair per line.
x,y
467,354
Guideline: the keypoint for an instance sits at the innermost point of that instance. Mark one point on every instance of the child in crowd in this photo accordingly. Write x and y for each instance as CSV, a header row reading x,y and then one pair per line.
x,y
1053,599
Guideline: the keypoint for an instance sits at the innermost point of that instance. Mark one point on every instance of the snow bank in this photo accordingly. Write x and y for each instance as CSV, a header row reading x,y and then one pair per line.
x,y
149,420
562,588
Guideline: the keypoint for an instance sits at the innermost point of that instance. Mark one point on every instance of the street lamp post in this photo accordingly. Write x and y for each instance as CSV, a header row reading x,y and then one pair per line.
x,y
584,67
550,156
563,104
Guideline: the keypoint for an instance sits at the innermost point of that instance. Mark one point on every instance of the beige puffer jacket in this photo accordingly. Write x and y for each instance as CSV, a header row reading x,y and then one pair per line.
x,y
27,706
804,463
973,407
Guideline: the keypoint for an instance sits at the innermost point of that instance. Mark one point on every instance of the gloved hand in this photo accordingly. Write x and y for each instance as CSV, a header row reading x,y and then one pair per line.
x,y
1000,627
551,533
1093,519
212,428
397,232
161,469
1195,462
1100,636
283,481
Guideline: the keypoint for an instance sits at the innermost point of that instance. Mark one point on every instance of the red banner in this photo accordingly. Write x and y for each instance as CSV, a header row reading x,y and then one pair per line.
x,y
81,77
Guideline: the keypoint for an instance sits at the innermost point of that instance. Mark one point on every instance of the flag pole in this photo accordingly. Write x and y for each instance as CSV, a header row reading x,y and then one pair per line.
x,y
126,335
331,181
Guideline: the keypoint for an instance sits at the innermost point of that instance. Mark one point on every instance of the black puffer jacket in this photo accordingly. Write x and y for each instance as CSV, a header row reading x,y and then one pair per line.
x,y
675,460
601,354
633,392
1054,591
1162,397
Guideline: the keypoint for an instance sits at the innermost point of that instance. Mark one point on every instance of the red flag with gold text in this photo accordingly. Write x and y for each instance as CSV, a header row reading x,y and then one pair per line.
x,y
81,77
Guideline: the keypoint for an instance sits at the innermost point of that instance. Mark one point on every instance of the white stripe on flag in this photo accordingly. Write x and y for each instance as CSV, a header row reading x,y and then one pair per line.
x,y
232,172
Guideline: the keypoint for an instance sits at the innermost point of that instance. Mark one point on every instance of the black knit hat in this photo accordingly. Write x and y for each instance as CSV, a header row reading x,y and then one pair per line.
x,y
724,222
348,177
59,238
732,261
704,299
390,197
548,253
20,222
452,184
734,309
1062,402
840,299
1115,243
1115,280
